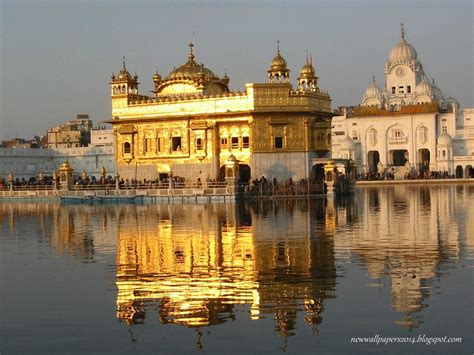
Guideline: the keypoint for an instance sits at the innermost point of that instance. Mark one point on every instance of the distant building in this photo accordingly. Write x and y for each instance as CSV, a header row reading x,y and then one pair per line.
x,y
24,162
74,133
102,136
409,126
36,142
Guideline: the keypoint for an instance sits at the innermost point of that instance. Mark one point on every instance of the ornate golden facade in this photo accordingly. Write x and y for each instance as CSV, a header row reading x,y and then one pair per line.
x,y
192,124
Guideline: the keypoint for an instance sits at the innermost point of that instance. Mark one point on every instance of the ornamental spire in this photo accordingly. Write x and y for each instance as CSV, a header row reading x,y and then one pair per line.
x,y
402,31
191,51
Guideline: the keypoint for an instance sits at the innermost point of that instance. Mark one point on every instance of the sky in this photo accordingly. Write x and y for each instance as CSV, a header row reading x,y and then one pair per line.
x,y
56,57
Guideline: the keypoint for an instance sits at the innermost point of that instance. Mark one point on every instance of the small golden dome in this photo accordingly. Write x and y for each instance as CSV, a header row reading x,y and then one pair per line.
x,y
124,74
278,63
156,76
307,70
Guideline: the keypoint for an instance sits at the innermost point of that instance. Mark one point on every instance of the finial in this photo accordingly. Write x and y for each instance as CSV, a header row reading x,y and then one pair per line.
x,y
191,50
225,72
373,79
123,58
433,82
307,58
402,30
278,47
310,59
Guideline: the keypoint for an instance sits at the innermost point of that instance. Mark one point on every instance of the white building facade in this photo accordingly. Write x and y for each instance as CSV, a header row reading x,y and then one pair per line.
x,y
29,162
406,127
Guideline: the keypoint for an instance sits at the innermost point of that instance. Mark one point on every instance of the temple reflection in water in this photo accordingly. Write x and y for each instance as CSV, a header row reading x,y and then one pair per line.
x,y
194,265
199,261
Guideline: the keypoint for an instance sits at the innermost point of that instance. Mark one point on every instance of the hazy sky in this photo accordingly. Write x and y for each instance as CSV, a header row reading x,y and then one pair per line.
x,y
57,56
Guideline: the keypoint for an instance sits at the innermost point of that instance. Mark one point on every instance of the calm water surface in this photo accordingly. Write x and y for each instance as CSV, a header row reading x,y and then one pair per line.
x,y
261,277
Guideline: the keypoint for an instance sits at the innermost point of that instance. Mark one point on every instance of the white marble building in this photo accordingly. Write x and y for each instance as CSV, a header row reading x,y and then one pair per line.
x,y
408,125
29,162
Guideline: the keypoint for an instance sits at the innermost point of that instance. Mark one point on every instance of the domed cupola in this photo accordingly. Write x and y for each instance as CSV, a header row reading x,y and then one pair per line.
x,y
278,72
191,70
402,53
190,78
445,139
373,95
423,91
124,74
124,83
347,144
437,94
308,79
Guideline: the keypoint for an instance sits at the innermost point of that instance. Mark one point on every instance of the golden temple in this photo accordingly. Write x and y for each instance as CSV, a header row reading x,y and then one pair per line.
x,y
193,122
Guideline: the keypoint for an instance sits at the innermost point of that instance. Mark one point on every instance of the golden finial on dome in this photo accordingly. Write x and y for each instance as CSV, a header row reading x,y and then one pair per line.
x,y
191,51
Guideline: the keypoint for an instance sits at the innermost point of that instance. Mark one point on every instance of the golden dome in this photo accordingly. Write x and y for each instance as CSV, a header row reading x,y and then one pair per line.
x,y
307,70
278,63
124,74
191,70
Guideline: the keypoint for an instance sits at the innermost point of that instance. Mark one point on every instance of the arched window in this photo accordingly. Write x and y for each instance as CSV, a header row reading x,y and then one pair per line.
x,y
127,148
199,144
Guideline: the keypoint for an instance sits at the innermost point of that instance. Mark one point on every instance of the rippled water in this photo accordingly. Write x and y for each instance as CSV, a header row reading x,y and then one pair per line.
x,y
299,276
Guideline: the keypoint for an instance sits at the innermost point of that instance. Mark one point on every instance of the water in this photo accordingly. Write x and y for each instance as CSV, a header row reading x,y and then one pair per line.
x,y
261,277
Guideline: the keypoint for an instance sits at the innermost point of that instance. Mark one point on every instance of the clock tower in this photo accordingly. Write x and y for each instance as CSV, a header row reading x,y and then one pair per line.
x,y
403,72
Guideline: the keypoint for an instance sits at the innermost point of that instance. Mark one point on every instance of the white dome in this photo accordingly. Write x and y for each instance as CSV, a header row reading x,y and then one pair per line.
x,y
424,88
373,93
445,139
403,52
347,144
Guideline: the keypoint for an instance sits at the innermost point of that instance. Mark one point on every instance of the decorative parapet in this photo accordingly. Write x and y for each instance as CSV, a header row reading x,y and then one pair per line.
x,y
361,111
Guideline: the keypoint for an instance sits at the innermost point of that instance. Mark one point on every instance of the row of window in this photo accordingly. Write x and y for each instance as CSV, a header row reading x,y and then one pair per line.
x,y
401,89
235,143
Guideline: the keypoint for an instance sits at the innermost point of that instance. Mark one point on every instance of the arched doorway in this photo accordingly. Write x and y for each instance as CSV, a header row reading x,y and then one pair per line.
x,y
399,157
373,158
244,173
469,172
459,172
423,160
317,172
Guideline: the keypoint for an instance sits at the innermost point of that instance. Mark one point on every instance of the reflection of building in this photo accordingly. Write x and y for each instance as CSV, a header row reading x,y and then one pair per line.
x,y
193,122
230,257
407,125
80,231
407,232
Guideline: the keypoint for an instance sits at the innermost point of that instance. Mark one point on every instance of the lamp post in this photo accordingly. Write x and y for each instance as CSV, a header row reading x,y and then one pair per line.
x,y
10,180
117,183
55,179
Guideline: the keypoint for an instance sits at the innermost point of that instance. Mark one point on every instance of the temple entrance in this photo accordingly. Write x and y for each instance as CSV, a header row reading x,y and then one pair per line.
x,y
459,172
373,158
423,160
399,157
469,172
244,173
317,172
